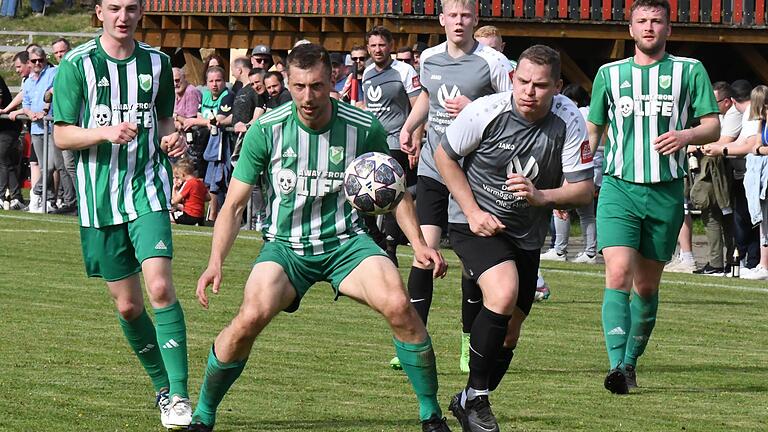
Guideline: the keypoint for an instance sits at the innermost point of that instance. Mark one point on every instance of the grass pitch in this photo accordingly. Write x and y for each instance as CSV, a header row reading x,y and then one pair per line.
x,y
65,365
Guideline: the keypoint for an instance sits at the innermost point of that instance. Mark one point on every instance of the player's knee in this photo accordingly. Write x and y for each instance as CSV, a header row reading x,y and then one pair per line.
x,y
396,309
161,292
128,310
250,321
501,300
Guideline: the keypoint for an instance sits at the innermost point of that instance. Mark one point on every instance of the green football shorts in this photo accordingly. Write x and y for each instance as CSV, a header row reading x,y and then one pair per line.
x,y
645,217
305,271
117,251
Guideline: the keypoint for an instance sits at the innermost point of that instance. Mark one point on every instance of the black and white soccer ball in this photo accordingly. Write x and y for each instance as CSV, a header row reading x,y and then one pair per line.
x,y
374,183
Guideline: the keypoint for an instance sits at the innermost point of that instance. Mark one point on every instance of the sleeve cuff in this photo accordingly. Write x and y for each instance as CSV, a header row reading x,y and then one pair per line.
x,y
449,150
579,176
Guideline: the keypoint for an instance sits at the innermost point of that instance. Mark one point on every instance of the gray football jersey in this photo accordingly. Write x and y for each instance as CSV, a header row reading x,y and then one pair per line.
x,y
495,140
387,94
482,72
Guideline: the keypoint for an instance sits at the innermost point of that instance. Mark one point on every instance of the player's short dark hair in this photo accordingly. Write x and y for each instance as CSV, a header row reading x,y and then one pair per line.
x,y
60,40
741,90
723,88
276,75
663,4
22,56
257,71
359,48
543,55
405,49
380,31
215,69
577,94
307,56
243,62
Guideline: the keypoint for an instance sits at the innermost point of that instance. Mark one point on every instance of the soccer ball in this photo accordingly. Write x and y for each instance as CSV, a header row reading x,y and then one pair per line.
x,y
374,183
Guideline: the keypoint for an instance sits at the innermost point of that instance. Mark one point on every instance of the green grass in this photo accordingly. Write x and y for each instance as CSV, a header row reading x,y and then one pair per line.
x,y
65,365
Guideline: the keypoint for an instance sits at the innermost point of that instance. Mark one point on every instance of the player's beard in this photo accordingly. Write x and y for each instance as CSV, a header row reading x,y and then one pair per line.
x,y
652,49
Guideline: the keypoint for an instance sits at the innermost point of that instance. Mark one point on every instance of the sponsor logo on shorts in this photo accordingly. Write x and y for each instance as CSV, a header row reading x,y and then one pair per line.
x,y
161,246
617,331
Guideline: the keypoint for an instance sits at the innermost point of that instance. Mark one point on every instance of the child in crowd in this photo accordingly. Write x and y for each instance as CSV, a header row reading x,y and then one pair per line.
x,y
189,195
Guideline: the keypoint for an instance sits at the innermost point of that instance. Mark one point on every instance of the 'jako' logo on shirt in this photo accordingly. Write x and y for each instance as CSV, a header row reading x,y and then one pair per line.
x,y
443,94
374,93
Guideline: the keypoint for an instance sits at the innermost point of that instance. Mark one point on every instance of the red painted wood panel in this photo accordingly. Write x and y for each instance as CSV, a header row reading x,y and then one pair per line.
x,y
695,11
760,12
539,9
738,11
673,10
562,9
717,10
496,8
584,9
627,7
429,7
518,8
607,13
407,7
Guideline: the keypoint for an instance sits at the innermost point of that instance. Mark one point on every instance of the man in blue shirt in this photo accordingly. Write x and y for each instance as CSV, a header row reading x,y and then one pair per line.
x,y
36,106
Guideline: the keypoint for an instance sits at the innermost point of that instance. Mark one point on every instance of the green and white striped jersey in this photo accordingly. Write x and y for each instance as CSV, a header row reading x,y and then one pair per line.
x,y
303,171
117,183
639,103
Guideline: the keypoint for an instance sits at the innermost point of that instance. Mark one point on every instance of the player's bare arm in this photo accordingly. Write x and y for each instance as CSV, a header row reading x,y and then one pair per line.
x,y
595,133
481,222
569,195
416,118
405,212
706,132
224,233
416,136
71,137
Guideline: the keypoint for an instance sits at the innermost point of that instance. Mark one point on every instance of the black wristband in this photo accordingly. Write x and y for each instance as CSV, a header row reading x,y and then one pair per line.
x,y
725,151
757,150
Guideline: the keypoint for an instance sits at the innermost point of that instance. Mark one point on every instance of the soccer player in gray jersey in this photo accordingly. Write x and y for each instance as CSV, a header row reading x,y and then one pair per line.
x,y
524,152
452,74
312,234
390,89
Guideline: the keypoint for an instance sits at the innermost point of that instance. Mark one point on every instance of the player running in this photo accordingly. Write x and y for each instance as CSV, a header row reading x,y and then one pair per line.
x,y
524,152
113,108
452,74
648,101
300,151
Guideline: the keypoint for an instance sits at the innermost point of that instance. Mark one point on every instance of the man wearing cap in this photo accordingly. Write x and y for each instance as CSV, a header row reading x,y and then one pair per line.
x,y
338,71
261,57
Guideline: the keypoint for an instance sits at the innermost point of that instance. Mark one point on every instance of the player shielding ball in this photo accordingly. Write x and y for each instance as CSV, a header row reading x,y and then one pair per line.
x,y
524,152
648,102
300,151
113,108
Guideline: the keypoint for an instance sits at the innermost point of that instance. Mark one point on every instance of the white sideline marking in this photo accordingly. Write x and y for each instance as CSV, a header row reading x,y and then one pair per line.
x,y
36,231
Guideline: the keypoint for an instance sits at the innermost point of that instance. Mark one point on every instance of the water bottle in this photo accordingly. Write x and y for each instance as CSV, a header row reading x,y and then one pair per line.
x,y
736,264
190,136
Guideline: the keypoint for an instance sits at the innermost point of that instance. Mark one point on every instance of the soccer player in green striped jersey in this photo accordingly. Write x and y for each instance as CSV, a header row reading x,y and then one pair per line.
x,y
299,152
112,107
648,103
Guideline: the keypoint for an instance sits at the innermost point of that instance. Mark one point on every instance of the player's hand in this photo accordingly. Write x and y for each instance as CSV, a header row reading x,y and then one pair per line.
x,y
561,214
713,149
484,224
454,106
240,127
413,159
427,256
123,133
407,145
672,141
211,276
522,187
173,145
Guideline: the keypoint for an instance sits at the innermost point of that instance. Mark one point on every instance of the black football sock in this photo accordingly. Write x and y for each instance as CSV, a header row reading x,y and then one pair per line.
x,y
471,303
503,359
420,286
487,338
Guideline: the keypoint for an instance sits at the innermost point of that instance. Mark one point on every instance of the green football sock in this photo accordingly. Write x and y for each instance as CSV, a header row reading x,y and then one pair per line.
x,y
616,324
643,320
418,361
172,337
141,336
218,378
